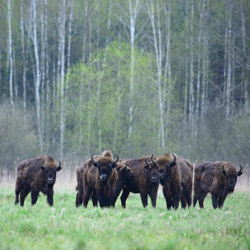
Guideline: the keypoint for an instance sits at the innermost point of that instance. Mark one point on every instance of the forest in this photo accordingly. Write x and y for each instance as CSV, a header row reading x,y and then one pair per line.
x,y
137,77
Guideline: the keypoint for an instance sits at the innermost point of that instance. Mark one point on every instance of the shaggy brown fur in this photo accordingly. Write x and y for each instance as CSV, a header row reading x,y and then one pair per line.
x,y
145,182
186,182
170,172
125,177
36,175
218,178
99,178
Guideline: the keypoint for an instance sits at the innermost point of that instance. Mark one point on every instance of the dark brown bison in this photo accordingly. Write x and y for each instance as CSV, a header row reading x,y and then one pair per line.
x,y
125,177
146,180
36,175
218,178
99,179
170,178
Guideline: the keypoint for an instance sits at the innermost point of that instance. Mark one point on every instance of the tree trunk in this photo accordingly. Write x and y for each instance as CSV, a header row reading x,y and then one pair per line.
x,y
159,55
37,76
10,55
23,60
133,11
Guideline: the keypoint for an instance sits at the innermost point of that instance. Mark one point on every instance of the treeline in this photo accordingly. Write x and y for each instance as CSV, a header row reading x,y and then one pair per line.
x,y
136,76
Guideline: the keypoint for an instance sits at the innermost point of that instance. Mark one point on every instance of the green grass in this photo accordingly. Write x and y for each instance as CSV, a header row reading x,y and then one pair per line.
x,y
66,227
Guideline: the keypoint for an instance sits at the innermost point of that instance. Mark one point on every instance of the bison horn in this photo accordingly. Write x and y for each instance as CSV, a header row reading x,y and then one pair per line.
x,y
240,171
92,159
174,158
59,165
146,161
152,159
116,158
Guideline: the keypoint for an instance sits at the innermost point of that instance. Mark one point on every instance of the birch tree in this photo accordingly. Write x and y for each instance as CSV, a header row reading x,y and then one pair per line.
x,y
37,71
157,38
10,55
24,58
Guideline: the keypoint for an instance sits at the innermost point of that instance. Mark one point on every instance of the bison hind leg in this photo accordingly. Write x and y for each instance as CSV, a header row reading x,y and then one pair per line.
x,y
17,192
183,201
201,198
23,195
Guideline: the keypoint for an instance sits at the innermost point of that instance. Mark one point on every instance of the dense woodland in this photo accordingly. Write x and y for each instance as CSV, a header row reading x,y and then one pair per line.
x,y
137,77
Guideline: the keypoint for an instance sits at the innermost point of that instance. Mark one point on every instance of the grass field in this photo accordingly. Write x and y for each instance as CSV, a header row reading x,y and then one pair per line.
x,y
67,227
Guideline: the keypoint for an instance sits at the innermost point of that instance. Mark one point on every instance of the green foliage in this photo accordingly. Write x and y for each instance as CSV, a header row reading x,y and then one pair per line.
x,y
17,139
66,227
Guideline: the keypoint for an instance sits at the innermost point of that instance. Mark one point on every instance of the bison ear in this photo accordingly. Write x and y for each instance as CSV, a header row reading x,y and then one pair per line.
x,y
58,168
114,165
43,168
146,167
128,169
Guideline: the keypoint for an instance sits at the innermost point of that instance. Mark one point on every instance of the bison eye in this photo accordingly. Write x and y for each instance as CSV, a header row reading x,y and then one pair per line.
x,y
43,168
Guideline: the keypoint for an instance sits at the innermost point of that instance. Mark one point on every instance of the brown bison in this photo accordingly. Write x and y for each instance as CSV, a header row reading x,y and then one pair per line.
x,y
36,175
146,180
99,179
170,178
218,178
125,177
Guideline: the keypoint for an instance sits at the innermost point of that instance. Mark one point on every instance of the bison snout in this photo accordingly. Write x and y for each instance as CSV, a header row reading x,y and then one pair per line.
x,y
161,175
50,180
103,177
154,179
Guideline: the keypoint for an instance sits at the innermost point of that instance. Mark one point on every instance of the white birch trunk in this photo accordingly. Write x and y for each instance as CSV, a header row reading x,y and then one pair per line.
x,y
10,55
229,63
168,74
99,87
158,54
191,84
24,60
244,75
37,76
133,11
62,57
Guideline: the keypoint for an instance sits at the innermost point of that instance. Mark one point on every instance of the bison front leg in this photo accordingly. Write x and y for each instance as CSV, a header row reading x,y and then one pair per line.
x,y
215,200
168,199
144,199
221,201
153,197
124,197
23,195
176,200
34,196
50,197
94,199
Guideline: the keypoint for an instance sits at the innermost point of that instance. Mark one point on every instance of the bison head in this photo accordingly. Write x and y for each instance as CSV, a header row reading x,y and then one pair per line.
x,y
151,170
231,175
105,166
165,164
50,170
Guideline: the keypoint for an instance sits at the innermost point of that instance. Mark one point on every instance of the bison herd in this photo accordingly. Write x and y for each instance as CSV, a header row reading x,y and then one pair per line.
x,y
103,177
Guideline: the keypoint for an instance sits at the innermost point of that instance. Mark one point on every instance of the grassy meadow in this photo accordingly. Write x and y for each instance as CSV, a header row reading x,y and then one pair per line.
x,y
66,227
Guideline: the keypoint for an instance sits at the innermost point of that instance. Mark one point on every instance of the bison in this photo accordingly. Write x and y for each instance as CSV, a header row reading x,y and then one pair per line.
x,y
36,175
125,177
218,178
145,182
170,178
99,179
